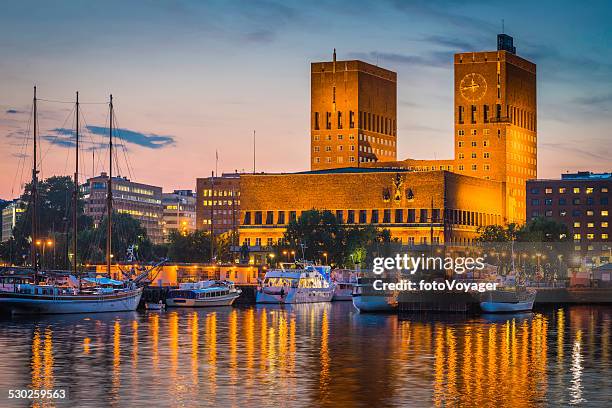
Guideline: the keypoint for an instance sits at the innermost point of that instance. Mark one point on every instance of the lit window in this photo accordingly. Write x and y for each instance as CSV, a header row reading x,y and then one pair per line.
x,y
316,137
328,160
473,132
474,167
604,236
473,155
590,213
576,225
590,236
576,190
461,156
352,158
604,224
474,144
461,167
548,190
589,190
590,224
486,155
576,237
317,160
562,190
604,189
316,149
604,213
486,131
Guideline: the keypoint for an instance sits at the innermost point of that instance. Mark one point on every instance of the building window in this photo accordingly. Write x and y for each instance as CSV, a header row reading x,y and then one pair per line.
x,y
604,189
374,217
461,156
269,217
604,236
590,213
473,155
474,143
562,190
352,159
473,132
317,160
350,218
423,216
257,241
363,216
562,201
460,114
328,160
258,217
576,201
461,167
339,120
351,119
485,143
339,217
548,201
487,167
548,190
576,224
604,213
399,215
549,213
562,213
316,149
327,120
292,216
340,159
577,237
590,225
328,148
576,190
247,218
486,155
576,213
461,132
589,190
486,132
535,201
281,217
316,120
603,201
474,167
473,114
604,224
460,144
387,216
590,236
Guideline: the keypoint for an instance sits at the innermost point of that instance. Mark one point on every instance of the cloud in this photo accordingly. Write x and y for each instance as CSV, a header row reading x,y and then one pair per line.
x,y
13,111
601,102
437,59
260,36
571,148
454,43
64,137
148,140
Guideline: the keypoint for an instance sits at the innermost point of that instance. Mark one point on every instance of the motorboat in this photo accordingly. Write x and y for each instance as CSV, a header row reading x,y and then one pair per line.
x,y
509,300
298,282
203,293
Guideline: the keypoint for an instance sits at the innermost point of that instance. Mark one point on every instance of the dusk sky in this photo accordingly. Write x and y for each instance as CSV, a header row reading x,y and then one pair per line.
x,y
192,77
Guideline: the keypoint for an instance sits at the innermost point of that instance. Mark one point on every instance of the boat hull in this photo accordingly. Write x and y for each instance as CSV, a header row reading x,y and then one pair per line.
x,y
205,302
343,294
371,303
300,295
502,307
16,303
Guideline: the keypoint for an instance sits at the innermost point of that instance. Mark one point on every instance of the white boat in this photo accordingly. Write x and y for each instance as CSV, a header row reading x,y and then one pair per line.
x,y
366,299
299,282
344,281
204,293
51,299
509,300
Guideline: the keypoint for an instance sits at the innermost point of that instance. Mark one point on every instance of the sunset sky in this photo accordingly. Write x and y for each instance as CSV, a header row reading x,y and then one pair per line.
x,y
193,77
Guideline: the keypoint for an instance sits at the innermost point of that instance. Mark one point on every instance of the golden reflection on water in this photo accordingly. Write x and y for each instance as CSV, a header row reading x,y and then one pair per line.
x,y
468,362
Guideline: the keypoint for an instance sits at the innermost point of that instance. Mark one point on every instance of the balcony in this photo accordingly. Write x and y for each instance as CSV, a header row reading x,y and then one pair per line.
x,y
501,119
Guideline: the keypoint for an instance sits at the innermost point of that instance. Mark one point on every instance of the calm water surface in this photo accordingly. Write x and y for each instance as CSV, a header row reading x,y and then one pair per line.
x,y
312,355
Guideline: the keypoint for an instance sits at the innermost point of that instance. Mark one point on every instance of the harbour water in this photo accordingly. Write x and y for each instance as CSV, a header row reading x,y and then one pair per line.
x,y
312,355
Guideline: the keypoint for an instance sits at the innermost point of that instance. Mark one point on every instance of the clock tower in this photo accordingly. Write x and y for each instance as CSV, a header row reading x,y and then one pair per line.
x,y
496,120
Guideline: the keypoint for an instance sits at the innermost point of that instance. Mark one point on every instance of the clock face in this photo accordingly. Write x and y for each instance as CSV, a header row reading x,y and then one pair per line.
x,y
473,87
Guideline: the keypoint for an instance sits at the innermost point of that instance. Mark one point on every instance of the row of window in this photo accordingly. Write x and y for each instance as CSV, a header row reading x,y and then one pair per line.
x,y
474,143
474,167
578,237
208,203
367,121
493,114
575,201
423,240
362,137
386,216
575,213
563,190
340,148
485,155
604,224
219,193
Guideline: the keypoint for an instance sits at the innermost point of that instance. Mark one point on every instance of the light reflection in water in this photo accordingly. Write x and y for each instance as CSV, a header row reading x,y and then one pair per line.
x,y
264,355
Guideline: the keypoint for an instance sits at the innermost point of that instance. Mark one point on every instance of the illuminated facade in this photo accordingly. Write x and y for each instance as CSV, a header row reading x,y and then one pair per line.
x,y
179,212
218,203
416,207
11,214
141,201
496,120
353,114
582,202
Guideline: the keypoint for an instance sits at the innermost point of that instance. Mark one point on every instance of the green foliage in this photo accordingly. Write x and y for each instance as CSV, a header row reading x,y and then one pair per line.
x,y
191,247
319,233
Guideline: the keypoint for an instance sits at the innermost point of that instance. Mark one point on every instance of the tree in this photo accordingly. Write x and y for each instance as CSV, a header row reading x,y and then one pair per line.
x,y
126,231
190,247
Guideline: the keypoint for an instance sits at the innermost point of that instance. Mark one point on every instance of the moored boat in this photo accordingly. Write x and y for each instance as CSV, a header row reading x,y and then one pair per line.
x,y
367,299
509,300
204,293
344,282
299,282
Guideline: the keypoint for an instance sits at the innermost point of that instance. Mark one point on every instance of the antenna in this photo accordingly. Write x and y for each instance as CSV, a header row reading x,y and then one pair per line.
x,y
503,28
253,152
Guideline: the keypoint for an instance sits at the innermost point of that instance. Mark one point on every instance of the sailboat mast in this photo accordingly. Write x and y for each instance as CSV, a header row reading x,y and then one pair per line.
x,y
109,194
75,198
34,214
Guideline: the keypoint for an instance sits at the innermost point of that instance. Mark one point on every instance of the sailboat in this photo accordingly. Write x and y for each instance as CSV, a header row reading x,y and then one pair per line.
x,y
92,295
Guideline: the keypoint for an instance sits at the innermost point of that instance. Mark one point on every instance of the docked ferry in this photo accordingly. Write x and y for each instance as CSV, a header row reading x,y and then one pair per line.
x,y
299,282
204,293
367,299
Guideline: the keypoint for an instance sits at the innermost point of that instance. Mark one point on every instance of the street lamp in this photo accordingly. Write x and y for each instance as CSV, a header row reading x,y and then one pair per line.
x,y
293,253
325,255
286,256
